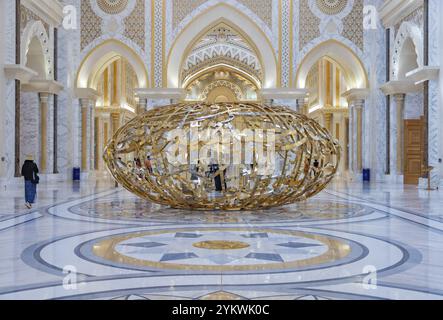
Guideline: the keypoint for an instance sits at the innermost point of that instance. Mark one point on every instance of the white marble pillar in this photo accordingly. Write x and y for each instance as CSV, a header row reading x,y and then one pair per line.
x,y
142,105
302,106
46,132
99,141
351,139
85,134
400,112
356,135
91,126
359,126
115,122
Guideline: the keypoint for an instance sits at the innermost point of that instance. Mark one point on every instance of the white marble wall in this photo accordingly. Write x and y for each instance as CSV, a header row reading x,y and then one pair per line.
x,y
7,103
439,85
374,121
414,106
29,126
69,118
2,93
436,90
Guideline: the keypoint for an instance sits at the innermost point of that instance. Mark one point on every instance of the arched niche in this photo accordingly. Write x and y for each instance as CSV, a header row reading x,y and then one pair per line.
x,y
353,68
222,13
222,94
408,50
104,54
36,50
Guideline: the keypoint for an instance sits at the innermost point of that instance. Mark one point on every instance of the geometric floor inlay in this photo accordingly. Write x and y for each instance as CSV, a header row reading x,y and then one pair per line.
x,y
223,249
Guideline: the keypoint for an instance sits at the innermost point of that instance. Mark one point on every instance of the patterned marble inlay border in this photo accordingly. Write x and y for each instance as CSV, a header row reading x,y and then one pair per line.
x,y
353,26
263,9
158,44
135,24
285,43
308,24
91,24
181,8
27,15
112,6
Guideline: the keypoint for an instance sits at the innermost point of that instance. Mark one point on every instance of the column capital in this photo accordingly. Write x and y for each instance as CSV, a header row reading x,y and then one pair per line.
x,y
86,102
356,97
302,102
47,86
142,105
44,97
399,96
357,104
400,86
86,93
115,115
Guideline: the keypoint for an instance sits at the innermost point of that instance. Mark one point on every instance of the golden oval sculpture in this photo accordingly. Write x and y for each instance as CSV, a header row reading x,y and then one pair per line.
x,y
227,156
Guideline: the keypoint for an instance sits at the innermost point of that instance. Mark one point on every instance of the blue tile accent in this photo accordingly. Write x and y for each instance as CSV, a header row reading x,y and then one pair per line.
x,y
298,245
265,256
187,235
178,256
145,244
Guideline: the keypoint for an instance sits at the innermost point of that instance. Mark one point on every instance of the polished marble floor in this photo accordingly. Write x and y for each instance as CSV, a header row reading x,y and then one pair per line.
x,y
89,240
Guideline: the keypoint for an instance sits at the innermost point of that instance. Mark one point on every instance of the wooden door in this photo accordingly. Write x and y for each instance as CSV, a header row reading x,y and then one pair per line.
x,y
413,151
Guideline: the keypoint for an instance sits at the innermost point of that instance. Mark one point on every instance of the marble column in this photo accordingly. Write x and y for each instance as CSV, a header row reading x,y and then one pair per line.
x,y
43,99
356,132
97,143
142,105
351,139
115,120
85,141
328,122
400,102
91,125
359,125
302,106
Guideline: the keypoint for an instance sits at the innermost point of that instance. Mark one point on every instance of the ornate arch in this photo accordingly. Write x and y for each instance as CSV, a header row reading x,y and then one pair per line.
x,y
249,30
221,44
407,30
236,4
222,83
103,54
353,67
35,29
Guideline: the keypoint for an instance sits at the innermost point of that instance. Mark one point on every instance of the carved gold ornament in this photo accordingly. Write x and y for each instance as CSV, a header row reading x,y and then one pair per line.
x,y
331,7
112,6
221,245
228,156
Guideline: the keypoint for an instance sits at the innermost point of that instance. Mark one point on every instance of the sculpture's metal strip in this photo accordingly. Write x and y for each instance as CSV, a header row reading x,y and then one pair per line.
x,y
229,156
